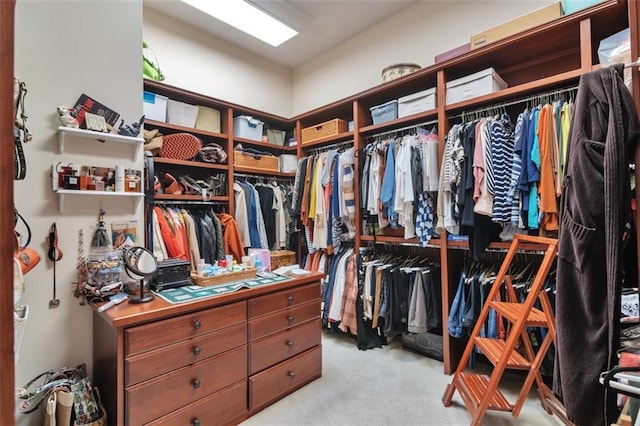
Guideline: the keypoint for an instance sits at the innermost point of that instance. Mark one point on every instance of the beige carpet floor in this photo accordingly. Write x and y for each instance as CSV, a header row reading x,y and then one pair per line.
x,y
386,386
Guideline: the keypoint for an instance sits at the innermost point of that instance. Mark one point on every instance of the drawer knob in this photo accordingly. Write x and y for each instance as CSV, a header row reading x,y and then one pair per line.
x,y
195,422
292,374
197,324
290,299
290,318
197,351
196,383
290,343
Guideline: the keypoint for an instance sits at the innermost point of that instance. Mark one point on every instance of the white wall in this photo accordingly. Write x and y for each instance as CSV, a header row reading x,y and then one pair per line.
x,y
194,60
64,49
415,35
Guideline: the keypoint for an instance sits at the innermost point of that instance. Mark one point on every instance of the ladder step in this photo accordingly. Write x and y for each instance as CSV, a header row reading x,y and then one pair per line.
x,y
514,311
493,349
473,388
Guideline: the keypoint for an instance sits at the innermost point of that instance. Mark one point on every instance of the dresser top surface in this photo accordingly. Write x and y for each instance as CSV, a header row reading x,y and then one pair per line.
x,y
128,314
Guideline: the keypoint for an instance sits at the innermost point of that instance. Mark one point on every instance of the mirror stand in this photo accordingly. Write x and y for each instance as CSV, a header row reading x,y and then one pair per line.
x,y
142,297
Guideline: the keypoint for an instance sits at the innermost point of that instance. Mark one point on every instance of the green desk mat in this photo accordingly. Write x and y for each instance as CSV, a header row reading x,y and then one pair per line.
x,y
194,292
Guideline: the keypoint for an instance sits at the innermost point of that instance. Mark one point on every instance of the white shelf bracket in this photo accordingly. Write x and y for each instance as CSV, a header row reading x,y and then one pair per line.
x,y
60,142
60,203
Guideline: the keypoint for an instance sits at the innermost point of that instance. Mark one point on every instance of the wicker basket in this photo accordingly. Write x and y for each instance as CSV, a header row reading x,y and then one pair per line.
x,y
323,130
282,258
264,162
230,277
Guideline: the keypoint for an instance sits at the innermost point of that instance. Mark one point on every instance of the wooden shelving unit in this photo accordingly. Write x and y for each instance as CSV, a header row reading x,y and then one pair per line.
x,y
224,138
539,60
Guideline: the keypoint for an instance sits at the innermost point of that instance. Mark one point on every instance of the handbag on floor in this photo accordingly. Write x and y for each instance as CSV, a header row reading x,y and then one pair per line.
x,y
68,397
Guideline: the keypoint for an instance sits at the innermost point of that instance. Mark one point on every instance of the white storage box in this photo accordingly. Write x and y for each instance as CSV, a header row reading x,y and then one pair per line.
x,y
154,106
384,112
477,84
247,127
208,119
288,163
417,102
182,114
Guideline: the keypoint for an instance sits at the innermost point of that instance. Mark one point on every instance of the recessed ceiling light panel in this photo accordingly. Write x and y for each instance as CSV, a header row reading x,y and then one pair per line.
x,y
247,18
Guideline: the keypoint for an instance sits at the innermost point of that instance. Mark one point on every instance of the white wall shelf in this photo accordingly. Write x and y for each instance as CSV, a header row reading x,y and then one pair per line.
x,y
62,193
63,132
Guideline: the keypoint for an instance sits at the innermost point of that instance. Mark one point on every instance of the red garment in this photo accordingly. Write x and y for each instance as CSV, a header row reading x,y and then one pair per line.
x,y
175,250
231,236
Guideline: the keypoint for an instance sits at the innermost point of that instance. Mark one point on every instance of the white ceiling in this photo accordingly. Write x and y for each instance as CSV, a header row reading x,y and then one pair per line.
x,y
321,24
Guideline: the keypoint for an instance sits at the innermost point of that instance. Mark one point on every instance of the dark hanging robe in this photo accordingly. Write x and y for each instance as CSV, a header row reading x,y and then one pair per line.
x,y
595,206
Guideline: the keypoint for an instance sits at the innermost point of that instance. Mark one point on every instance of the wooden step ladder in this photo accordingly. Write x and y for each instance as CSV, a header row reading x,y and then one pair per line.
x,y
480,392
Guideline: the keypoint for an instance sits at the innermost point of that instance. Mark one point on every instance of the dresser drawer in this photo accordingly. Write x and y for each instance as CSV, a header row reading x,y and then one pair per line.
x,y
283,299
163,395
219,408
153,363
271,350
164,332
283,319
274,383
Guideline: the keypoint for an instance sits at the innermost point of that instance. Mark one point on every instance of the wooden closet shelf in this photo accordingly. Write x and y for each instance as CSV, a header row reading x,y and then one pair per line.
x,y
326,141
521,90
265,145
414,119
189,163
197,132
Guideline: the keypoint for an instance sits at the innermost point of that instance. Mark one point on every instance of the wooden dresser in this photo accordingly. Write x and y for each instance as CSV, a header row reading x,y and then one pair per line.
x,y
220,359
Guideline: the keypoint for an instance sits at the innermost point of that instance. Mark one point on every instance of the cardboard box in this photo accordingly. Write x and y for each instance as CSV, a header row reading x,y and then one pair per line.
x,y
571,6
181,114
288,163
453,53
472,85
517,25
417,102
208,119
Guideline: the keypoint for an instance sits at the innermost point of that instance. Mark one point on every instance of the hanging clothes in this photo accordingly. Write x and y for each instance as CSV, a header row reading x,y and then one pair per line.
x,y
324,199
603,139
232,241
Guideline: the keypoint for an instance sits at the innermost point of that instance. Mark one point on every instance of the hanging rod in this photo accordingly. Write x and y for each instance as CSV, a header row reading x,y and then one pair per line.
x,y
187,202
402,129
326,148
283,179
633,64
515,102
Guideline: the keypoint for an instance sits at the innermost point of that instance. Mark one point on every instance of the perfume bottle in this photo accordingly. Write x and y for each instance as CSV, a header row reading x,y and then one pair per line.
x,y
131,181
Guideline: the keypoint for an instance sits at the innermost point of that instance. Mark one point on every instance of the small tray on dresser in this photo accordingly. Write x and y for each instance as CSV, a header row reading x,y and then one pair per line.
x,y
230,277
